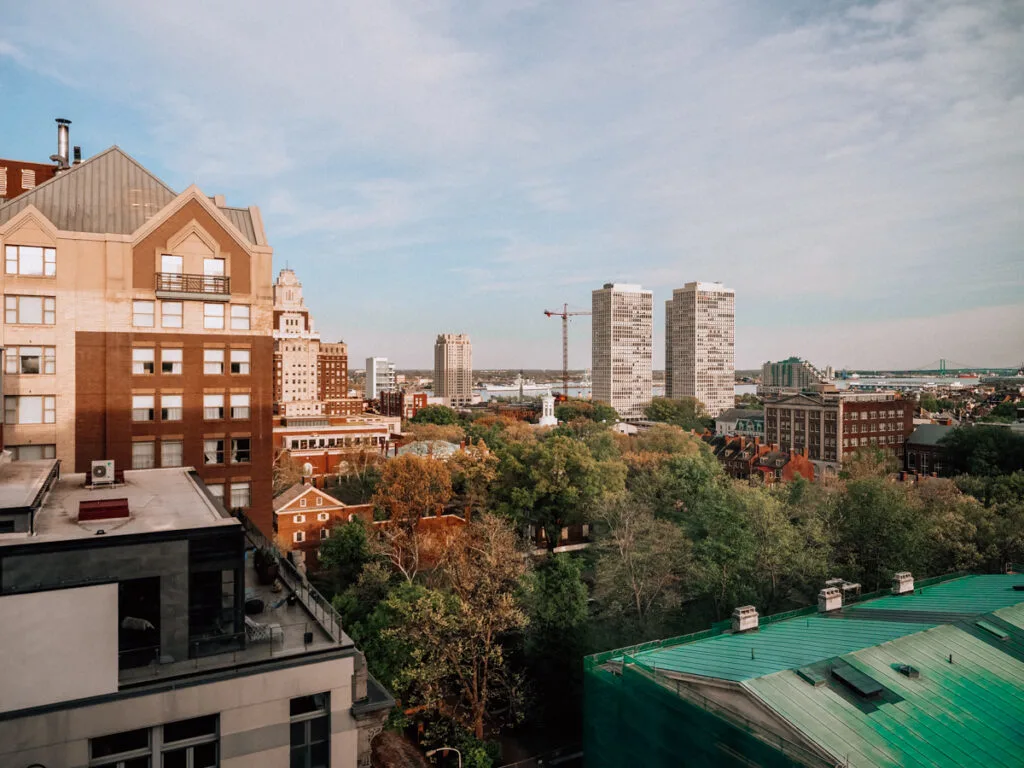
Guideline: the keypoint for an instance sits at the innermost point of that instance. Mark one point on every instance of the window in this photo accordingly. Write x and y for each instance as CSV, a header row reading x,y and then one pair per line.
x,y
302,502
31,360
173,265
213,407
298,537
30,409
240,495
32,452
240,406
30,310
298,518
213,362
30,260
325,533
240,361
170,361
129,749
143,360
143,455
171,313
143,407
319,501
241,450
239,317
171,453
170,407
143,313
191,743
310,731
213,451
323,516
213,267
213,317
217,490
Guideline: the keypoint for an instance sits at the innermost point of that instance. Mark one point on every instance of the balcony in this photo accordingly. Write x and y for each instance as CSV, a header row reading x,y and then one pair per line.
x,y
174,285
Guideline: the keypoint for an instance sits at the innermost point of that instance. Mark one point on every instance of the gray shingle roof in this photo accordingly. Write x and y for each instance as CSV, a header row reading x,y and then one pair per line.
x,y
929,434
110,193
735,414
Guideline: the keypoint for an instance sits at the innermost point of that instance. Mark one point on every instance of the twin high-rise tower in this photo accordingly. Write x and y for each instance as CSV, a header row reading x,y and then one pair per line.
x,y
699,346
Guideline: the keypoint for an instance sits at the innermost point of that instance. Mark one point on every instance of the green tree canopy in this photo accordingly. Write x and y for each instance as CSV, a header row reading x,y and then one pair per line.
x,y
570,410
435,414
686,412
344,553
984,450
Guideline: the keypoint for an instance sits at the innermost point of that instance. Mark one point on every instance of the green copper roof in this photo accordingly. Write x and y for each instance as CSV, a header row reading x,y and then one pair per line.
x,y
965,713
968,596
785,645
1013,615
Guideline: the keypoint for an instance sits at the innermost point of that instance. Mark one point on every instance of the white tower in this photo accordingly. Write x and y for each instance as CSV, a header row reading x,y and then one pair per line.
x,y
547,418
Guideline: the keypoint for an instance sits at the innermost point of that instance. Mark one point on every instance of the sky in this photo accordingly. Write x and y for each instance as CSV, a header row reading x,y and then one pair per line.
x,y
855,171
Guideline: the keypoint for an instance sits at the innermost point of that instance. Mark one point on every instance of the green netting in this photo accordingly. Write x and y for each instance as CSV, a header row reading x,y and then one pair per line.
x,y
630,720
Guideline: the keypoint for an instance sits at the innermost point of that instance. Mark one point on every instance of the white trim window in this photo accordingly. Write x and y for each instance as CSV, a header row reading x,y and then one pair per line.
x,y
143,454
171,361
30,360
323,516
30,409
143,407
143,314
213,407
302,502
298,519
213,317
213,362
30,261
298,537
240,361
172,314
240,405
143,361
172,453
171,264
241,495
240,316
30,310
171,407
325,533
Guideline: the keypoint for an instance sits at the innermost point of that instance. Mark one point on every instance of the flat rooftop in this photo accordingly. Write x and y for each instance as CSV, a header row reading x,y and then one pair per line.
x,y
21,481
158,500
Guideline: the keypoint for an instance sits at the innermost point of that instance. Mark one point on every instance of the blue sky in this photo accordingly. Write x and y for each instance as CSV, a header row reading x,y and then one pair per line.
x,y
854,170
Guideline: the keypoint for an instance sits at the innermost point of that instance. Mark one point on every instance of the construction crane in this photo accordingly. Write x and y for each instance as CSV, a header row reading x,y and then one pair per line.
x,y
565,314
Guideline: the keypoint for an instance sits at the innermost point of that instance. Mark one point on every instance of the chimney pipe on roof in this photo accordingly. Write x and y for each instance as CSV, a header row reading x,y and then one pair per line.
x,y
78,156
61,158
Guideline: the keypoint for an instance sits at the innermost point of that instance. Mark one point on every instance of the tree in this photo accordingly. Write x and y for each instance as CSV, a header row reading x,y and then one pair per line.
x,y
287,472
448,433
644,564
984,450
686,412
457,664
435,414
869,462
1005,412
411,487
570,410
473,470
344,553
749,401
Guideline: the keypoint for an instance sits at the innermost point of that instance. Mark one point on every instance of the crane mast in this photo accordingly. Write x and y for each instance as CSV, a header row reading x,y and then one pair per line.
x,y
565,314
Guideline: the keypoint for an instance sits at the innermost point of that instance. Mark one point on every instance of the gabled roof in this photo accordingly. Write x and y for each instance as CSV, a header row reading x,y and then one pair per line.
x,y
110,193
293,494
929,434
735,414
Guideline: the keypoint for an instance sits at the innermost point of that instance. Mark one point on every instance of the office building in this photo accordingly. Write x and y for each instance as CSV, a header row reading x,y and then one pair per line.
x,y
790,375
929,675
402,404
829,426
324,445
380,377
621,346
138,328
453,369
700,342
310,376
140,626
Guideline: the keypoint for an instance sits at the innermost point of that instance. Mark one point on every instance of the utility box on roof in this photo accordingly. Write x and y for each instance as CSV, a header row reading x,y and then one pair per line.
x,y
829,599
902,583
744,619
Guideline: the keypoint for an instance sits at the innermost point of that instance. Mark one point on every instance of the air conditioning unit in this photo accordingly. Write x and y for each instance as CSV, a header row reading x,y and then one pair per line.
x,y
102,472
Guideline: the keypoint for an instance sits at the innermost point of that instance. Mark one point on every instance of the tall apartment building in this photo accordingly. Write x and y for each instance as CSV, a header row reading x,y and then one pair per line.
x,y
380,377
830,426
178,637
792,374
700,345
621,344
453,369
310,376
137,328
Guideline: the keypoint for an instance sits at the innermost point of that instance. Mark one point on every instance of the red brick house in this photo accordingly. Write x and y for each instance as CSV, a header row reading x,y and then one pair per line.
x,y
304,516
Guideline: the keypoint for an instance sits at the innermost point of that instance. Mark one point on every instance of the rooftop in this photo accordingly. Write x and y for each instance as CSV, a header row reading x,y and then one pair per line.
x,y
929,434
735,414
158,500
22,481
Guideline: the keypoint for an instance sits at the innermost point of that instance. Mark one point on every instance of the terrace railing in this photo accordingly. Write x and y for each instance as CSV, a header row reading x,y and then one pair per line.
x,y
204,285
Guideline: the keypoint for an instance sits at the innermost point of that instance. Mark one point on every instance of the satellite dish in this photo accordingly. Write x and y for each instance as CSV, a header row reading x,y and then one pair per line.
x,y
307,469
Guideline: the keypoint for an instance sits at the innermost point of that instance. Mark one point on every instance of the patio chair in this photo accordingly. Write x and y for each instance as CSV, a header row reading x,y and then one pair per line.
x,y
258,633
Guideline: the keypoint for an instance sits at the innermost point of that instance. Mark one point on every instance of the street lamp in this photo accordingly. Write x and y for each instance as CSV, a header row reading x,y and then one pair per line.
x,y
433,752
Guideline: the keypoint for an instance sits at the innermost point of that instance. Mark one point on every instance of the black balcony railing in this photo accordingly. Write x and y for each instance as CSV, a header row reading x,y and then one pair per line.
x,y
173,282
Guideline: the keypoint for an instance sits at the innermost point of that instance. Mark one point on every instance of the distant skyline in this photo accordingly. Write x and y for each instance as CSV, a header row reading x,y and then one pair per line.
x,y
854,171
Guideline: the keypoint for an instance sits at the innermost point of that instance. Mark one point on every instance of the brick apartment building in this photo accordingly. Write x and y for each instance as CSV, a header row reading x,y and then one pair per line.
x,y
830,426
304,516
137,327
402,404
325,443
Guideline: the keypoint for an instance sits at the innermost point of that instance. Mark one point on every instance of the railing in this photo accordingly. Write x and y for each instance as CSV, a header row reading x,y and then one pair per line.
x,y
175,282
319,607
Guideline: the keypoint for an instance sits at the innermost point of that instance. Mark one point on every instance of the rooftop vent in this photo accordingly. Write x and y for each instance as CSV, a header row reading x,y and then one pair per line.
x,y
857,681
993,630
62,156
102,509
829,599
912,672
903,583
744,619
